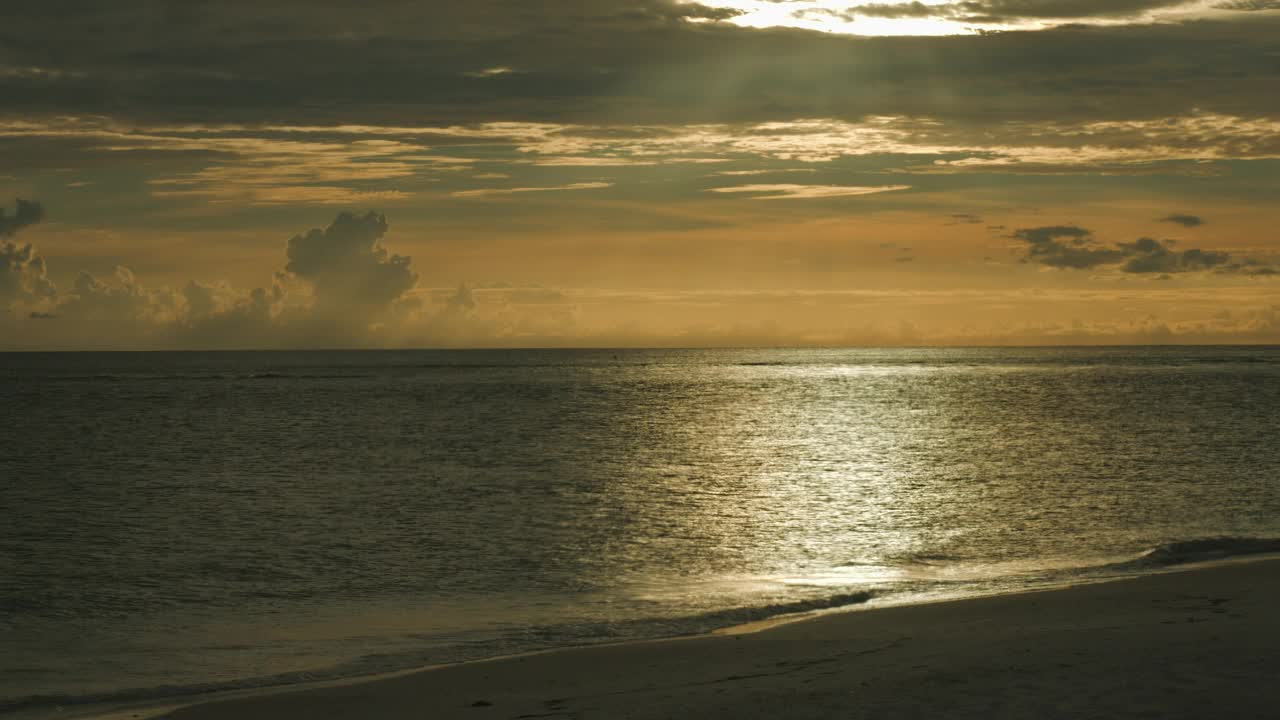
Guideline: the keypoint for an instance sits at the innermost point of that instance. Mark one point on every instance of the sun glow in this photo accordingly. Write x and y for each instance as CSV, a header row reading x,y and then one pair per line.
x,y
840,16
879,18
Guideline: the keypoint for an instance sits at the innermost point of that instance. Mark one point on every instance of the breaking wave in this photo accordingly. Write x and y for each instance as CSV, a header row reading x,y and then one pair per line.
x,y
1203,550
531,639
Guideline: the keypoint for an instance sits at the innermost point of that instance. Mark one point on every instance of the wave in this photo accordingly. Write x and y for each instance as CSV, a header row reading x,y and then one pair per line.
x,y
531,639
553,636
197,377
1203,550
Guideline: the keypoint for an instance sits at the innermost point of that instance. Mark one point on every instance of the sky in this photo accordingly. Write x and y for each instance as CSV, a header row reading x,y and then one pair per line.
x,y
523,173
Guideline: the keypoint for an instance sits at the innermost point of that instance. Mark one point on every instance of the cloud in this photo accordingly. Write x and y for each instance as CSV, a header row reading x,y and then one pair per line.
x,y
353,278
23,275
1188,221
28,213
1065,246
489,72
512,191
223,61
789,192
593,162
1249,5
901,10
302,164
1071,247
1146,255
1006,11
735,173
339,287
463,300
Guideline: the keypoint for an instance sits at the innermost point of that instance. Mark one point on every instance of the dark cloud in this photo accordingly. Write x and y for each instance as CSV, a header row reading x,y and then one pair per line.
x,y
1146,255
1001,11
1065,246
350,273
400,62
1068,246
702,12
28,213
901,10
23,275
1006,10
339,288
1188,221
1249,5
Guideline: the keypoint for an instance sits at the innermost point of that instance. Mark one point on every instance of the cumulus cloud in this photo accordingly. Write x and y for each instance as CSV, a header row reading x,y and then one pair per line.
x,y
338,287
350,273
1071,247
23,275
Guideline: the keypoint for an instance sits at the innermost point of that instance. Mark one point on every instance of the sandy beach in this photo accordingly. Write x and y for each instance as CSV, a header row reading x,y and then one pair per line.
x,y
1193,644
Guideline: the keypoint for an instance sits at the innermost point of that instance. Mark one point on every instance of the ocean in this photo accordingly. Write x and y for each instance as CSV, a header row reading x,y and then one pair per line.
x,y
179,523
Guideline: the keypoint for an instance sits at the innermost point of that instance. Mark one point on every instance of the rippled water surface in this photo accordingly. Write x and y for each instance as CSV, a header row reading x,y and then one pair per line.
x,y
177,522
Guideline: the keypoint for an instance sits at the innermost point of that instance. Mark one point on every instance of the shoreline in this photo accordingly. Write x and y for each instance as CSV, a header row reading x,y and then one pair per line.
x,y
440,690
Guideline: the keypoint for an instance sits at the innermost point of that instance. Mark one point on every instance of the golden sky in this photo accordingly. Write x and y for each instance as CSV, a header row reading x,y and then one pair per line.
x,y
643,173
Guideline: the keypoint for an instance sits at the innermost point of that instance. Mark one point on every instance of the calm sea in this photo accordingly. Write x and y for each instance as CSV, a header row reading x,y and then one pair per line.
x,y
173,523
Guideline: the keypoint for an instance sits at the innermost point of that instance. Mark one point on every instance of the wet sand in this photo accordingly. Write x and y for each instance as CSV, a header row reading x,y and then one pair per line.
x,y
1202,643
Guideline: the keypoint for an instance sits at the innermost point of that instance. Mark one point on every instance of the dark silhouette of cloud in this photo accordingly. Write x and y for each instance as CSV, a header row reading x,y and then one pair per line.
x,y
1147,255
23,275
349,271
338,286
1249,5
1006,10
901,10
28,213
398,62
1065,246
1071,247
702,12
999,11
1188,221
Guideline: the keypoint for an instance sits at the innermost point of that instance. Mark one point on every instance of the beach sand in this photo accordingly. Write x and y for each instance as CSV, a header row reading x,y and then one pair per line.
x,y
1202,643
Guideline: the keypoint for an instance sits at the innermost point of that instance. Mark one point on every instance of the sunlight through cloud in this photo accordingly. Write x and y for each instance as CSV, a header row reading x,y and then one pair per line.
x,y
789,191
949,17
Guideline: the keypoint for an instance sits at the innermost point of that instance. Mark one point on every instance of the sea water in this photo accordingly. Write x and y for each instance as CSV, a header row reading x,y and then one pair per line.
x,y
175,523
